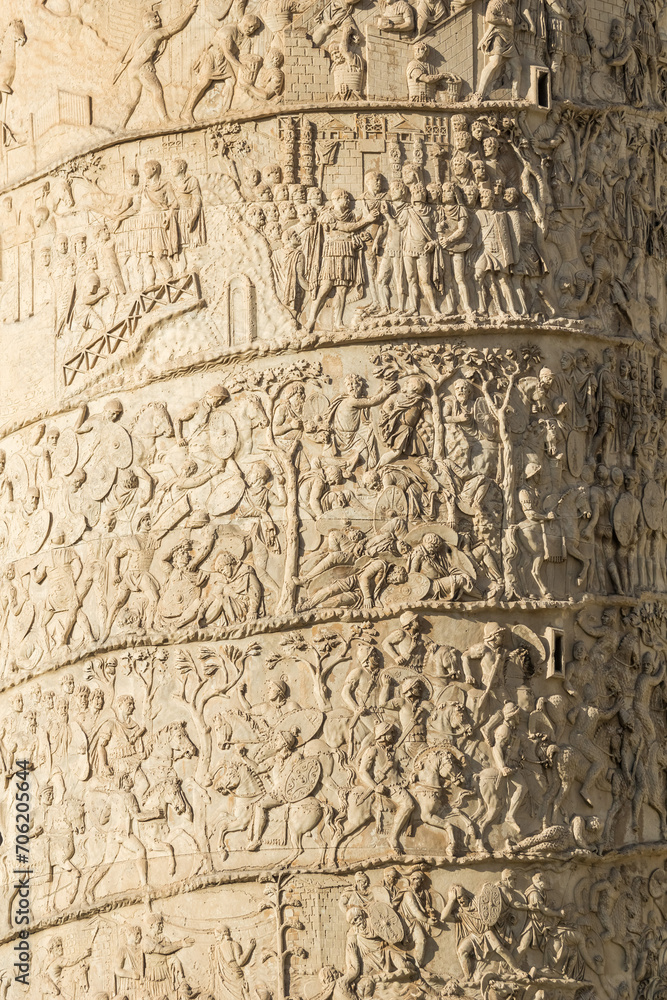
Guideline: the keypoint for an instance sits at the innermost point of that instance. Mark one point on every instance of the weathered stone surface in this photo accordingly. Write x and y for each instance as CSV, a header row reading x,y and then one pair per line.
x,y
333,513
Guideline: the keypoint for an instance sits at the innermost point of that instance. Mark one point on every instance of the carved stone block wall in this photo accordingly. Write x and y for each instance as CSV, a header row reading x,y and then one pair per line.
x,y
333,510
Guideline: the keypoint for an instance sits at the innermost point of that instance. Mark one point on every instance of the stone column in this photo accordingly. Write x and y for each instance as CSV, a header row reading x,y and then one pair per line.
x,y
332,500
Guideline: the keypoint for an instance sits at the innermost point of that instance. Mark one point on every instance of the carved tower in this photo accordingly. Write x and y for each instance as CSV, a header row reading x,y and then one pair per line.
x,y
333,521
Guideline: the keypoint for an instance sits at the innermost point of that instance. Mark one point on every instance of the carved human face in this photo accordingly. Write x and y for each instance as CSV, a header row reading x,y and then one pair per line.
x,y
316,196
490,146
180,558
32,501
448,194
462,391
341,200
255,216
375,184
479,171
306,214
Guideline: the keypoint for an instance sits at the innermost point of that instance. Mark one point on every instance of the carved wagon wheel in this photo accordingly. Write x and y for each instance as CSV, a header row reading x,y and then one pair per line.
x,y
391,502
653,501
223,435
66,454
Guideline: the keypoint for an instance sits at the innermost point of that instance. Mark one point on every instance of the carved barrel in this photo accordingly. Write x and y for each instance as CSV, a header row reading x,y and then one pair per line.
x,y
333,523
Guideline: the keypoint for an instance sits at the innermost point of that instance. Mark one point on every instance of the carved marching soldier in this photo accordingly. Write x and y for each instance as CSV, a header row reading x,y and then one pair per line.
x,y
586,721
456,239
476,932
163,968
379,773
180,598
493,265
341,264
139,549
61,570
190,214
421,251
390,273
499,45
120,818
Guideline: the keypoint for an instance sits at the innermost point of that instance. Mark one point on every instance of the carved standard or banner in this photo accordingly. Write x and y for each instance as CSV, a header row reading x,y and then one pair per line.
x,y
333,500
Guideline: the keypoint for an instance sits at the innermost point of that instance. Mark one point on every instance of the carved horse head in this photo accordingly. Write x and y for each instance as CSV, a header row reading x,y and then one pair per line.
x,y
172,742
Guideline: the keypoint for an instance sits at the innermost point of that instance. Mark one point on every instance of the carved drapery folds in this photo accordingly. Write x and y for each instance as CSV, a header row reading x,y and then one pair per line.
x,y
333,498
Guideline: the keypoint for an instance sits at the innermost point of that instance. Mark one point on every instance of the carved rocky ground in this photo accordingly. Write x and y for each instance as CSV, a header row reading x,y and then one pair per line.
x,y
333,499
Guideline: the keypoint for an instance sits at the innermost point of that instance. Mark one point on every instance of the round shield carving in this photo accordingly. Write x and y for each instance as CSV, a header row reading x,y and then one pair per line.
x,y
306,722
226,496
101,475
576,453
66,454
302,779
39,526
489,902
385,922
653,501
74,528
116,446
625,517
390,503
223,434
657,883
17,473
415,588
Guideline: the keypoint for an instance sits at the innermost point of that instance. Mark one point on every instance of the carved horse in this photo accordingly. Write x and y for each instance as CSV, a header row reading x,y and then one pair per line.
x,y
528,536
151,422
13,38
169,744
244,789
249,416
55,851
178,823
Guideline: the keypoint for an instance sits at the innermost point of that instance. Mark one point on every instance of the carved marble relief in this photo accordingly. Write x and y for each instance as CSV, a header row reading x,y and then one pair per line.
x,y
333,500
